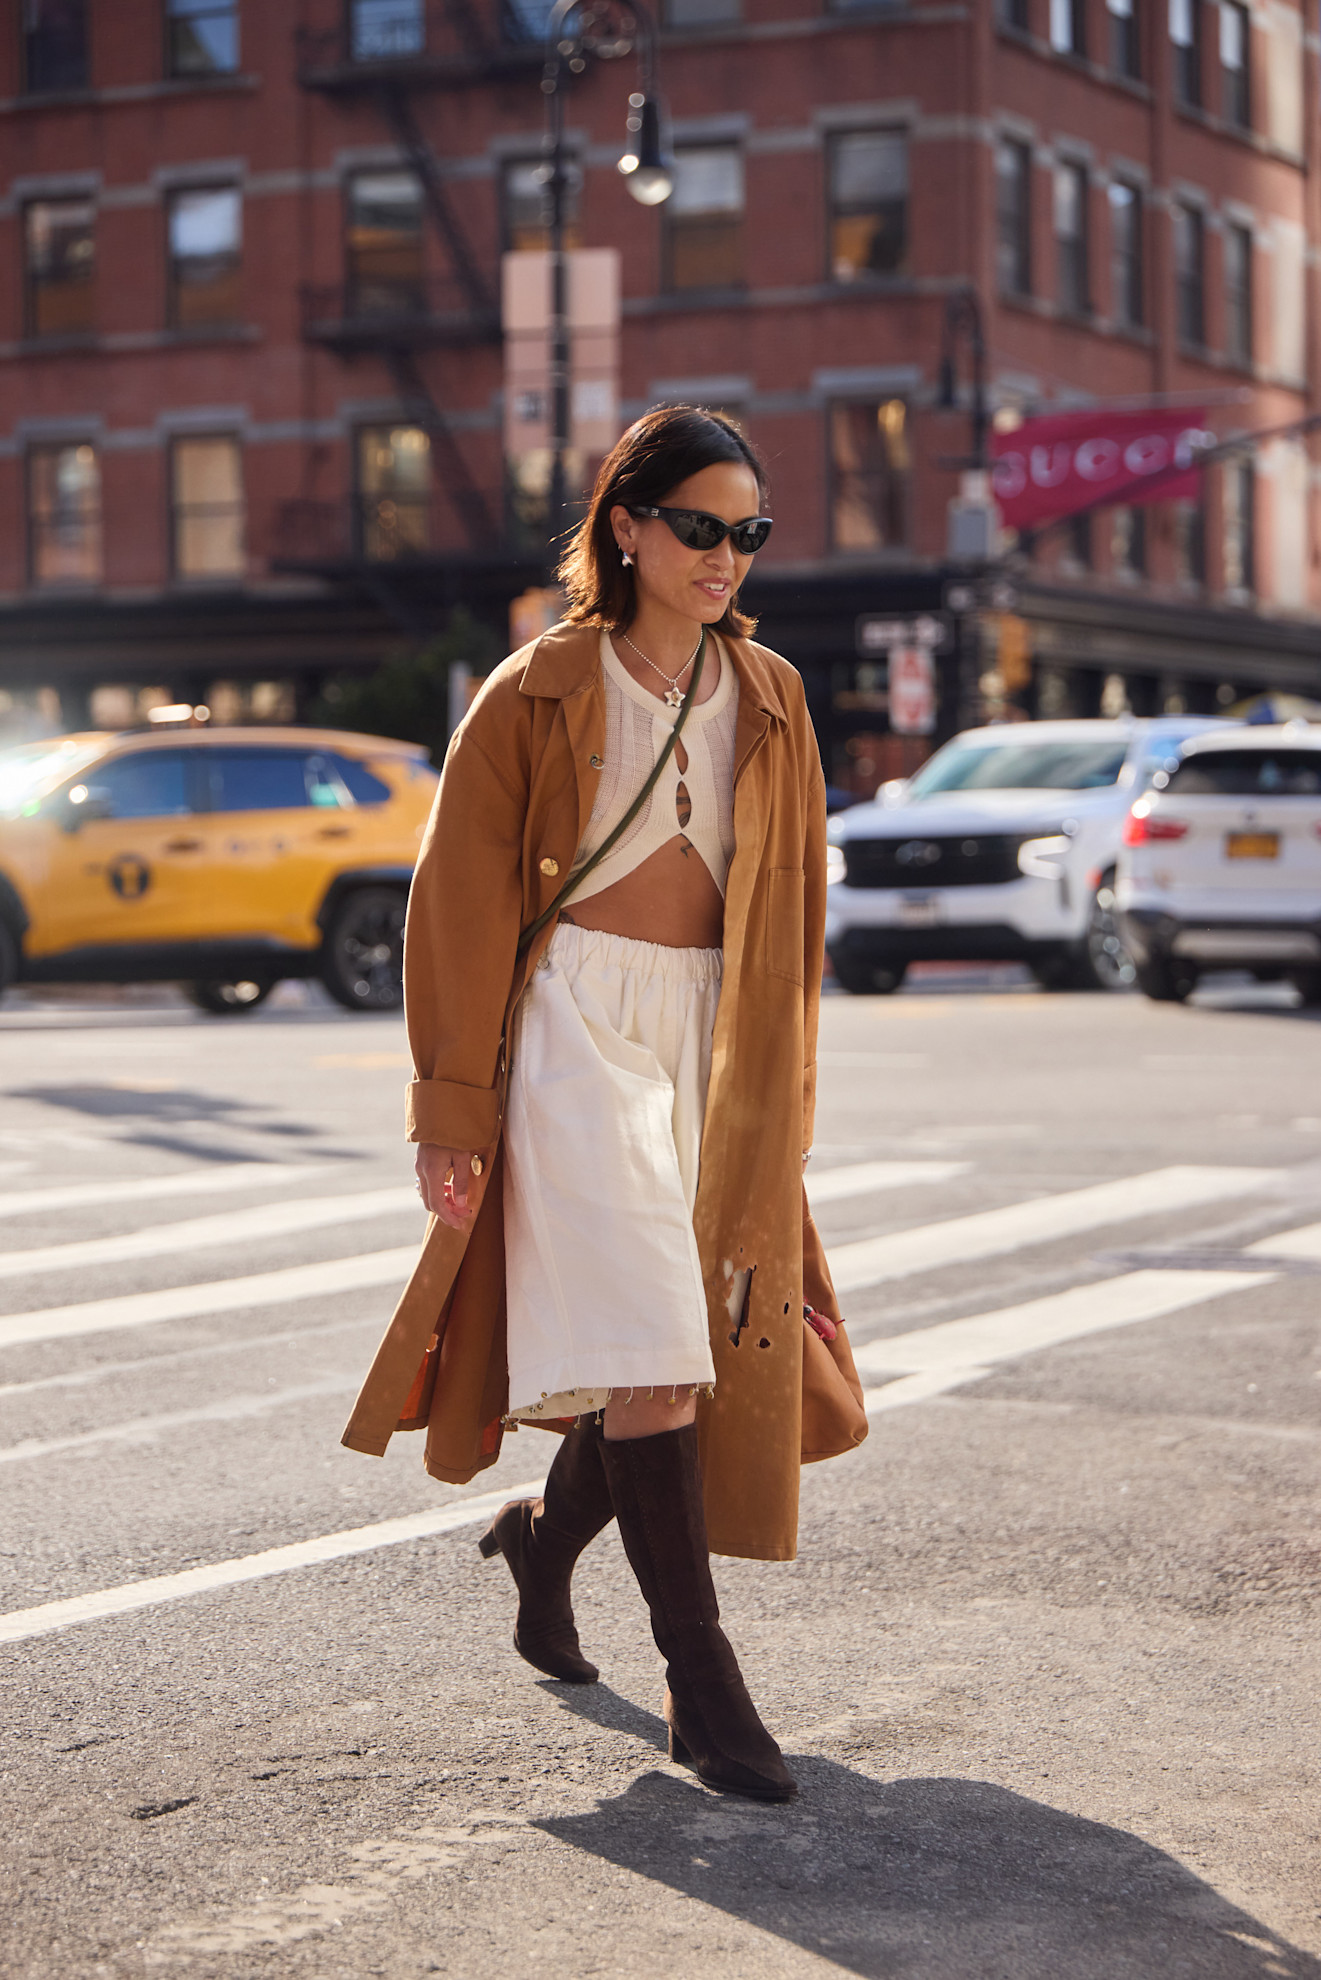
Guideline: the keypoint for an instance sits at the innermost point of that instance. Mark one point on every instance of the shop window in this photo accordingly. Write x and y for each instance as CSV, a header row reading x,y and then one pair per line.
x,y
206,507
1068,26
1238,294
868,204
54,46
64,515
524,204
1186,37
704,218
1071,232
1127,297
1236,64
1189,543
870,472
1190,275
1013,218
1125,38
379,29
383,243
60,246
1238,541
1128,542
205,242
201,37
394,492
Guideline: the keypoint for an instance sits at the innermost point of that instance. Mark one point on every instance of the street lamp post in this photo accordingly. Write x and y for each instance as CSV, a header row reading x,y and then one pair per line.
x,y
576,31
972,521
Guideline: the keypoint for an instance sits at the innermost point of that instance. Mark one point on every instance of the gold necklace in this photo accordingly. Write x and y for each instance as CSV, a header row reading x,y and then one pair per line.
x,y
672,698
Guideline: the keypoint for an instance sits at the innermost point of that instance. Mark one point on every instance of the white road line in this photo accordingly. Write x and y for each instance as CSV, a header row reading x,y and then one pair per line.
x,y
101,1316
193,1182
144,1429
861,1178
263,1220
991,1233
22,1624
1302,1243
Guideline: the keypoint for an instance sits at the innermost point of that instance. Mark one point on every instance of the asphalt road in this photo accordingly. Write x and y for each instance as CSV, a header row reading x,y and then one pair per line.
x,y
1047,1666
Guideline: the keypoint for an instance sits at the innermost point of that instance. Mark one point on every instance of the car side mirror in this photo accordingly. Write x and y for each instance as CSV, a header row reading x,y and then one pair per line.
x,y
81,804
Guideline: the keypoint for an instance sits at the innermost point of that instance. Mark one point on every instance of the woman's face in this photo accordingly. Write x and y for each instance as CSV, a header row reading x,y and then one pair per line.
x,y
697,584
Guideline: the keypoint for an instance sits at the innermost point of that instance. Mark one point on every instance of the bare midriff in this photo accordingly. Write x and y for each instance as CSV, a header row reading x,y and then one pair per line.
x,y
670,899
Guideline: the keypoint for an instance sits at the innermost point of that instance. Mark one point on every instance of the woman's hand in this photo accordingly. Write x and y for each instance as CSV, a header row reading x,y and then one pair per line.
x,y
444,1180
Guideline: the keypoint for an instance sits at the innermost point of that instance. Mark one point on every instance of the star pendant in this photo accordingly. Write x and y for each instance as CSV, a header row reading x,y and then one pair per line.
x,y
673,698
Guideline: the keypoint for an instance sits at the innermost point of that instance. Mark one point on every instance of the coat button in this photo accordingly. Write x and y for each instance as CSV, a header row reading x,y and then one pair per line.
x,y
550,867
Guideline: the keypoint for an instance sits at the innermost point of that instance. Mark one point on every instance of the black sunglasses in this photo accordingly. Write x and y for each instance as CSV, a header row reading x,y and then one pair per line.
x,y
702,532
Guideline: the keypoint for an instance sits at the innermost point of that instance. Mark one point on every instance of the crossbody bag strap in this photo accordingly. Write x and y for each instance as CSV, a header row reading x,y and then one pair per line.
x,y
612,839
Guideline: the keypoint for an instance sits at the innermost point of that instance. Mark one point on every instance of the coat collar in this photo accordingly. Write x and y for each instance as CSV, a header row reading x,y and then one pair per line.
x,y
566,660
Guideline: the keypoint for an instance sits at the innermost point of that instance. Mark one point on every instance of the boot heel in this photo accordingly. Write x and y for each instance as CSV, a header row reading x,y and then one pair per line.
x,y
679,1753
488,1544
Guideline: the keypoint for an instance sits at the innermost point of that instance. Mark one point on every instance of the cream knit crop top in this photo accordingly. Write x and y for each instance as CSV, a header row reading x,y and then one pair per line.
x,y
636,727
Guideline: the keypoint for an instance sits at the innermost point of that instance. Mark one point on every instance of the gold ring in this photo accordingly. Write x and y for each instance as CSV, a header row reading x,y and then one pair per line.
x,y
477,1165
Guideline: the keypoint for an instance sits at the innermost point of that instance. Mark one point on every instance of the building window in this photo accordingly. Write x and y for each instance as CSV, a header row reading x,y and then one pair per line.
x,y
870,469
206,508
383,243
704,218
1125,38
525,20
1127,300
1128,542
64,515
61,267
1013,14
1186,35
700,13
206,236
1077,533
1238,294
1238,498
1071,239
1236,64
54,45
868,204
1189,543
524,204
1068,26
381,28
201,37
1013,218
1189,275
394,492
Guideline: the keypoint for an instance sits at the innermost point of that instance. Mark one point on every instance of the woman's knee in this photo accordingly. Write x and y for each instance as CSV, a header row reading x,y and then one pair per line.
x,y
649,1412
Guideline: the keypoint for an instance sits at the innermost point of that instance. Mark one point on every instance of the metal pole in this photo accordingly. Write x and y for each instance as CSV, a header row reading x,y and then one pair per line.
x,y
560,357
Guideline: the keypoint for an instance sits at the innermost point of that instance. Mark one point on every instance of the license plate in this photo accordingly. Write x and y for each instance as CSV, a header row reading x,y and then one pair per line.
x,y
1252,845
919,911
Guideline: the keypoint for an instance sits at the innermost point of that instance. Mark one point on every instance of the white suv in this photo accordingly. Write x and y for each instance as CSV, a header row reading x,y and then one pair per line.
x,y
1002,848
1221,866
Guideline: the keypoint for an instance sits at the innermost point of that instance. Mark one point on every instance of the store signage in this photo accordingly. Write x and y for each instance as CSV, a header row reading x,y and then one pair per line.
x,y
876,636
1051,467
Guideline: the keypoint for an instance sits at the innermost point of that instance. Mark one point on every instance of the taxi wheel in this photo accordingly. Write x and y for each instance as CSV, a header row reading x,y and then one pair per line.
x,y
228,999
362,964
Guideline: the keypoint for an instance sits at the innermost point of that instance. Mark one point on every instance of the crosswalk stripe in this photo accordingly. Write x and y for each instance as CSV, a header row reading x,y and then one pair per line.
x,y
991,1233
263,1220
99,1316
861,1178
193,1182
1302,1243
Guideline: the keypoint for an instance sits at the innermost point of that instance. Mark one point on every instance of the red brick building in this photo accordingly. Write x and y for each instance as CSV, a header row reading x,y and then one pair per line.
x,y
250,355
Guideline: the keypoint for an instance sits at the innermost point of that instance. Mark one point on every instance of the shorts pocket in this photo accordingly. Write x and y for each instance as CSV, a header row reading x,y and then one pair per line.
x,y
784,922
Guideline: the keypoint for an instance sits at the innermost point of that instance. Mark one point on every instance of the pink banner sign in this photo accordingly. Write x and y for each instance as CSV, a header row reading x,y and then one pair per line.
x,y
1050,467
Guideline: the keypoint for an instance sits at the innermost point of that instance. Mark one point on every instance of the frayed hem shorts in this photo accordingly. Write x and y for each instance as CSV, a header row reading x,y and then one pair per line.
x,y
602,1134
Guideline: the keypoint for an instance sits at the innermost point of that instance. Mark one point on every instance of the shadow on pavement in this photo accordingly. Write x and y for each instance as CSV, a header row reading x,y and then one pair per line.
x,y
925,1879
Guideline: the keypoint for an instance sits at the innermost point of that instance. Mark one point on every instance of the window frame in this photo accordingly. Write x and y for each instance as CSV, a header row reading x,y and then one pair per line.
x,y
901,543
735,219
31,329
1241,474
1124,49
361,495
572,201
350,14
1128,266
173,286
1073,251
1187,77
1240,316
1235,83
35,531
412,291
179,512
170,21
1183,210
1019,248
1071,15
840,209
31,88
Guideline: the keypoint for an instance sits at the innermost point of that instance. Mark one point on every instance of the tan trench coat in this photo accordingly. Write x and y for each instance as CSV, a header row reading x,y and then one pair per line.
x,y
513,803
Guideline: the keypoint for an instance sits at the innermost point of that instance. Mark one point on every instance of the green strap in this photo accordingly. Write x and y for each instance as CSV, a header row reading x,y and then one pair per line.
x,y
612,839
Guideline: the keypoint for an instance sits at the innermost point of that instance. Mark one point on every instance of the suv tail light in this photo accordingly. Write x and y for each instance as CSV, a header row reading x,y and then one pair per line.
x,y
1140,828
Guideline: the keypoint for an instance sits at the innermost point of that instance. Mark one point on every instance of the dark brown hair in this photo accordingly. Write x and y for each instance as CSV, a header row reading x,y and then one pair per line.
x,y
660,450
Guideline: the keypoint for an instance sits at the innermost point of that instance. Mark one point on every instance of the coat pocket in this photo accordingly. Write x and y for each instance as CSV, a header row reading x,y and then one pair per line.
x,y
784,922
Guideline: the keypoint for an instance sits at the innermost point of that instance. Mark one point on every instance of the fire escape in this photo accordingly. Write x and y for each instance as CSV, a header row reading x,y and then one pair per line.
x,y
388,53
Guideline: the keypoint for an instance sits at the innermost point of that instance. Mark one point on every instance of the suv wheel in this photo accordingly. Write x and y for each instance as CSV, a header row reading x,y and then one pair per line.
x,y
863,979
228,999
362,963
1307,982
1165,980
1105,963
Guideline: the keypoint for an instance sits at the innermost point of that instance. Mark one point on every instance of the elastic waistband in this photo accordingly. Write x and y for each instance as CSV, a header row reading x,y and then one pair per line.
x,y
572,948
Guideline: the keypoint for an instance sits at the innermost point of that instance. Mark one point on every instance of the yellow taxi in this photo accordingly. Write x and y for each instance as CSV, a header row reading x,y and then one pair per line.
x,y
223,859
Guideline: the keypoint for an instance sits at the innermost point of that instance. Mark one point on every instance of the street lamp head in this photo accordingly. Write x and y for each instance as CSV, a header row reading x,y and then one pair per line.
x,y
647,172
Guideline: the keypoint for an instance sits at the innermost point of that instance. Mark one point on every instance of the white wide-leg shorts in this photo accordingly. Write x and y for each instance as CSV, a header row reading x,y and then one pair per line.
x,y
603,1130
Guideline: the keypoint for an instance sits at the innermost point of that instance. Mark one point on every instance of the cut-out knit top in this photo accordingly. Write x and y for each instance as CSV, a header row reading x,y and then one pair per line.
x,y
637,725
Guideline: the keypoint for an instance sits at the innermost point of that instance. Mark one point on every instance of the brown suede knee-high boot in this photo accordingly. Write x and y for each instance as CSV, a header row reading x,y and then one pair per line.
x,y
541,1539
656,1487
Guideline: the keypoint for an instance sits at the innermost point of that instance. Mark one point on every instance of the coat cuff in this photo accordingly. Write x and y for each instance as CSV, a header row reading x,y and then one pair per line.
x,y
451,1116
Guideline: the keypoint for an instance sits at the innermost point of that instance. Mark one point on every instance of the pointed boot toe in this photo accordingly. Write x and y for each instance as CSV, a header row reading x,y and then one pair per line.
x,y
541,1562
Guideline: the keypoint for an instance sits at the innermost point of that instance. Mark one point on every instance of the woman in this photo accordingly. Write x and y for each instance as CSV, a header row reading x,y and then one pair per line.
x,y
585,1271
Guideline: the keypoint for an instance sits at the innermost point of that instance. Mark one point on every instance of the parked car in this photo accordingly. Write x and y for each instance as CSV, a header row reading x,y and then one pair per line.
x,y
224,858
1221,867
1002,848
